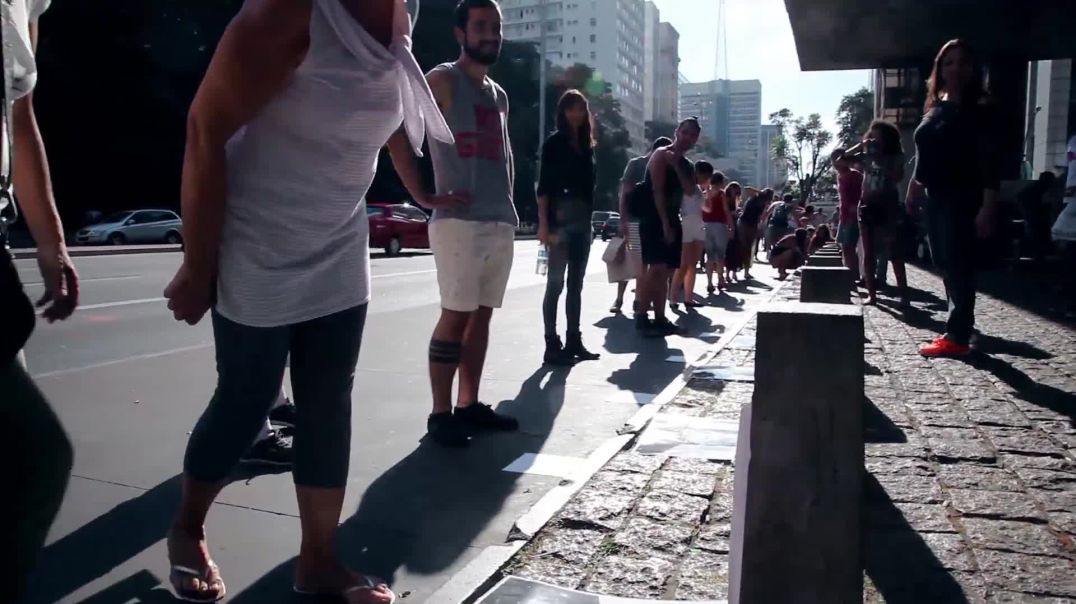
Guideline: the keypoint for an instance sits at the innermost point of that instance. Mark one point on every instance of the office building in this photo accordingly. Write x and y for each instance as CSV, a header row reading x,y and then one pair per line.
x,y
666,90
771,171
730,113
607,35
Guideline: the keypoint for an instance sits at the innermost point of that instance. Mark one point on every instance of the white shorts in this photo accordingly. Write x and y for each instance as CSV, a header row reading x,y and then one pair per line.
x,y
473,262
693,230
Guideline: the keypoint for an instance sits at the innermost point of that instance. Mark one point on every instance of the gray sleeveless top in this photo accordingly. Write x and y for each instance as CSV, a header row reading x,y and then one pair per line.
x,y
294,244
477,163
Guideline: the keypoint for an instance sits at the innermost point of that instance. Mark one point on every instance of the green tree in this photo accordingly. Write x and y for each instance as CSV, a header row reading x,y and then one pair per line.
x,y
800,144
854,116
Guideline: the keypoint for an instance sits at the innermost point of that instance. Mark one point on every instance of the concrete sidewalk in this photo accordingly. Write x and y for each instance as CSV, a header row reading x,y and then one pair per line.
x,y
971,487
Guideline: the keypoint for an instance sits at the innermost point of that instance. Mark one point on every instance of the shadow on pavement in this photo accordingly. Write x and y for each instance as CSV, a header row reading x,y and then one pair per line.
x,y
111,539
103,544
899,563
424,512
1027,389
877,427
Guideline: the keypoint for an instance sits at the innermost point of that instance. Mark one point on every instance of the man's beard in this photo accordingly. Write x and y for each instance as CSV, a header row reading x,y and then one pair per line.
x,y
487,57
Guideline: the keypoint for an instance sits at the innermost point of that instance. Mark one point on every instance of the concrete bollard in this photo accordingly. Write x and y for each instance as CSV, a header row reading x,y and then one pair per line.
x,y
826,284
801,536
825,260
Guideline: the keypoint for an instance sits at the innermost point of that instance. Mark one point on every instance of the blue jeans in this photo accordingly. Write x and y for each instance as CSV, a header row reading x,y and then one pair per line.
x,y
568,254
951,236
250,363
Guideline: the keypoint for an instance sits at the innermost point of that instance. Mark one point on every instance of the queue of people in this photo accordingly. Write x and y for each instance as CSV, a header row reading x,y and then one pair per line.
x,y
252,153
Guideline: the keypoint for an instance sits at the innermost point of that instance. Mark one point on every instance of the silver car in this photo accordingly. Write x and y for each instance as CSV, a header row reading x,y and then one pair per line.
x,y
137,226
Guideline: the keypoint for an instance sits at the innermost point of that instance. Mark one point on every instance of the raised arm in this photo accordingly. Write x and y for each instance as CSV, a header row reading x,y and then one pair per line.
x,y
255,59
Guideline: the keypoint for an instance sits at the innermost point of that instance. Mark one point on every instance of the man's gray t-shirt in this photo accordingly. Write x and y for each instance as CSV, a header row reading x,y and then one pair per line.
x,y
477,164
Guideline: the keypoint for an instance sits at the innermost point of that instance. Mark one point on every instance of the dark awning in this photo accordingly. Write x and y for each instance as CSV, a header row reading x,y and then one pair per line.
x,y
862,34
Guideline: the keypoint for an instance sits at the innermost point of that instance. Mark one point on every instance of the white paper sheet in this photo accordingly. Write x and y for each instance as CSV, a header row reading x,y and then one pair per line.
x,y
685,436
547,465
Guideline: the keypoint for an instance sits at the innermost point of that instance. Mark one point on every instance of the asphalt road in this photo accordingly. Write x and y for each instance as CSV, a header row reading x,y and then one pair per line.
x,y
129,382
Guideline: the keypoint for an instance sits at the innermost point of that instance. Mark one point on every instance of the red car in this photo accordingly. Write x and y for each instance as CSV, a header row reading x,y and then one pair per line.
x,y
394,226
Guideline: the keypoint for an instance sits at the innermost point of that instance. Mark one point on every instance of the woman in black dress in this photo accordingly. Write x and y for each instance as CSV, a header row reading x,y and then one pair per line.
x,y
956,166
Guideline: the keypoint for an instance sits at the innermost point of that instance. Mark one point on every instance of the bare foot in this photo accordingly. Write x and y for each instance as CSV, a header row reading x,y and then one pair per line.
x,y
187,549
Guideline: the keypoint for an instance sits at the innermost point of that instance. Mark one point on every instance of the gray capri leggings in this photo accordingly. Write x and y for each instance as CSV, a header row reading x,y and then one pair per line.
x,y
250,363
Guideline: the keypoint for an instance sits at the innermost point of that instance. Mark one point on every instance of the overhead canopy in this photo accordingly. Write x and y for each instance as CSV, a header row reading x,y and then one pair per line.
x,y
863,34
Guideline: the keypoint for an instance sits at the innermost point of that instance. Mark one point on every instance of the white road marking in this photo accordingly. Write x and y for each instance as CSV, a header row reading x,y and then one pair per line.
x,y
92,280
121,303
136,357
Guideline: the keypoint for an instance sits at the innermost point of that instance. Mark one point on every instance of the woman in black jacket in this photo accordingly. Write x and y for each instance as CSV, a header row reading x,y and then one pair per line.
x,y
956,166
565,202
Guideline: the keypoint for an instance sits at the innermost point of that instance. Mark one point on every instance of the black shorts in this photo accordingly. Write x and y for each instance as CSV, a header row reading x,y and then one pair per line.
x,y
655,250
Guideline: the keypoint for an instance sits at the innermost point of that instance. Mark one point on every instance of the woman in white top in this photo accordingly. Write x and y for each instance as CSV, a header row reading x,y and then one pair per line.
x,y
683,281
282,145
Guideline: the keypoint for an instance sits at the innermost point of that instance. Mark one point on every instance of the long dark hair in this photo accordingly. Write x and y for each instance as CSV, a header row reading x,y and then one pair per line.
x,y
569,99
891,144
976,89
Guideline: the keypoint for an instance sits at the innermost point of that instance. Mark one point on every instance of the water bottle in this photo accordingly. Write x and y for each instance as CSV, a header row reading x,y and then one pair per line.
x,y
543,260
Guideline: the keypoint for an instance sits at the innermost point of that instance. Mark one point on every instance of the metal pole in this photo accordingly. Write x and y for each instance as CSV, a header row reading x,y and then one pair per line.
x,y
541,79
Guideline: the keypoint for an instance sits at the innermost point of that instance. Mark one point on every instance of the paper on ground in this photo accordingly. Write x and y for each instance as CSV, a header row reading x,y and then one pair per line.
x,y
684,436
547,465
676,358
515,590
745,373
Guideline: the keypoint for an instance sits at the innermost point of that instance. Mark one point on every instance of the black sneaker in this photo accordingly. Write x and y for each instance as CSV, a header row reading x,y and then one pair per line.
x,y
284,415
666,327
555,353
642,323
273,450
479,416
446,430
576,349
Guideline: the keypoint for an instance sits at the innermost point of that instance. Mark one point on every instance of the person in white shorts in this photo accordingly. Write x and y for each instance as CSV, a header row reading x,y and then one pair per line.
x,y
472,232
683,281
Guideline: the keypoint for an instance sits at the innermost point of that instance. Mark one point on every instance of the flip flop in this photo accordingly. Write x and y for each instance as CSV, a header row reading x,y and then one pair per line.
x,y
192,595
368,585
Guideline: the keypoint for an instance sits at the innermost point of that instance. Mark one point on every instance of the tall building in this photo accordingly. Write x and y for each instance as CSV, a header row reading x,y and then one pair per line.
x,y
607,35
651,23
730,112
771,171
1051,114
666,90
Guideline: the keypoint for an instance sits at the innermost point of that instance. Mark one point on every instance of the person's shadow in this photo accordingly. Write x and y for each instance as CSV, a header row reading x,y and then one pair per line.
x,y
425,511
111,539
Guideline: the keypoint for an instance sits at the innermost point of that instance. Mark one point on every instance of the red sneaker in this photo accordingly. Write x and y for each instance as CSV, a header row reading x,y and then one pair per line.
x,y
944,347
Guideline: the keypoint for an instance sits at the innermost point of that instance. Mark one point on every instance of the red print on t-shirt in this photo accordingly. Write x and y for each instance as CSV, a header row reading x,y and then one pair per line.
x,y
488,141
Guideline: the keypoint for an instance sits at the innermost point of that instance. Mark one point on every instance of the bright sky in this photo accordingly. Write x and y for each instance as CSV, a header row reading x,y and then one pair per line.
x,y
748,23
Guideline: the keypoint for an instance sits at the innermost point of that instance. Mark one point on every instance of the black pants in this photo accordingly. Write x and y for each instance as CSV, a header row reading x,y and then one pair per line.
x,y
951,235
250,366
39,459
569,254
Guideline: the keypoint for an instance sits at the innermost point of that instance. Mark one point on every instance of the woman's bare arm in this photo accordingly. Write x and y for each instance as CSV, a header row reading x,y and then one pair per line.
x,y
254,61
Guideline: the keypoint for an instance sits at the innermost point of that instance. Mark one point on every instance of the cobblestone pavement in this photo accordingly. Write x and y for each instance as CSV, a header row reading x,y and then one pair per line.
x,y
970,497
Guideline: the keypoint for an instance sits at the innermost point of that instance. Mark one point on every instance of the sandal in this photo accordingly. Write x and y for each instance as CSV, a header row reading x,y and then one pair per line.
x,y
366,584
210,576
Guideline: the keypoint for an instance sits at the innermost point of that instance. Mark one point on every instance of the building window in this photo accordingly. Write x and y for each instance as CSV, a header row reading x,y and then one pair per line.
x,y
593,38
593,55
593,22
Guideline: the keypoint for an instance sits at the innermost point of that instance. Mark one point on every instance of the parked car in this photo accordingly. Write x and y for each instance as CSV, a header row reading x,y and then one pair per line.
x,y
395,226
609,229
135,226
599,221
